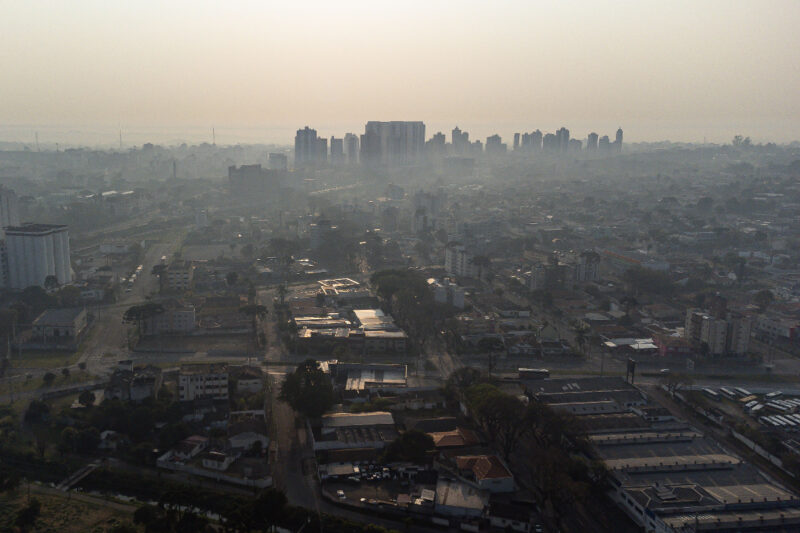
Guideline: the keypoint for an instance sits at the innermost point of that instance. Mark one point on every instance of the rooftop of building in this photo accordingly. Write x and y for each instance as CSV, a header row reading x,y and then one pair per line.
x,y
58,317
460,495
483,466
374,418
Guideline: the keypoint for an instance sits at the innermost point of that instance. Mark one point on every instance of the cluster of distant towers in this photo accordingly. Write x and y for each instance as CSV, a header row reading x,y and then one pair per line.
x,y
560,141
403,142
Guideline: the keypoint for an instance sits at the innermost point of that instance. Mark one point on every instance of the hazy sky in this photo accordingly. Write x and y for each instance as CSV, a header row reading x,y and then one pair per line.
x,y
75,71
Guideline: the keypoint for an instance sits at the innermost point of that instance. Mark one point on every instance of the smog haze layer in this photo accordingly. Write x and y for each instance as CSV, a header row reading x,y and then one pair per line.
x,y
78,72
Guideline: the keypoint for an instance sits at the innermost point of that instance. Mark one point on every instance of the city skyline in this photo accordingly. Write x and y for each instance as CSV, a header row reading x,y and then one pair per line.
x,y
680,72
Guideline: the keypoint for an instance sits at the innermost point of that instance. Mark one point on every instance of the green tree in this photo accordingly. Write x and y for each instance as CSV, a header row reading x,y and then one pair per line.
x,y
282,290
231,278
308,389
255,312
50,282
37,411
676,381
26,517
268,509
412,445
48,378
86,398
69,296
138,314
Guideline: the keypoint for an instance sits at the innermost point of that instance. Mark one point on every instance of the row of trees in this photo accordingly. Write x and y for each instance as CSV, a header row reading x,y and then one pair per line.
x,y
410,301
547,448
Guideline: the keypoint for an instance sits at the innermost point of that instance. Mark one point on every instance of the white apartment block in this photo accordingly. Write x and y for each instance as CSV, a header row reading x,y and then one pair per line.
x,y
458,261
172,320
180,276
203,381
447,292
714,332
36,251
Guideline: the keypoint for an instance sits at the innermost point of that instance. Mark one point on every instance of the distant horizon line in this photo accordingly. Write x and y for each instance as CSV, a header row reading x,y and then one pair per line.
x,y
106,135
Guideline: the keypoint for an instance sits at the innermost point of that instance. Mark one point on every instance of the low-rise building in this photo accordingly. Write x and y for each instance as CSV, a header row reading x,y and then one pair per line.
x,y
447,292
338,431
180,275
459,499
249,378
487,471
218,460
203,381
458,261
134,385
58,325
177,318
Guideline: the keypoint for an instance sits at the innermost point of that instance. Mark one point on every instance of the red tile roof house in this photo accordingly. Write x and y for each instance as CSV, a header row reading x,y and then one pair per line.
x,y
487,471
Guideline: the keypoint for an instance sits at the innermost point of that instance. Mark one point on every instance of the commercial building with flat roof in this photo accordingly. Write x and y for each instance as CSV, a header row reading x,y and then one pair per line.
x,y
668,476
36,251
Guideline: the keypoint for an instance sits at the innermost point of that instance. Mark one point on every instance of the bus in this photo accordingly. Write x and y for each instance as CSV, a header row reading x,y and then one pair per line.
x,y
711,394
727,393
742,392
772,395
533,373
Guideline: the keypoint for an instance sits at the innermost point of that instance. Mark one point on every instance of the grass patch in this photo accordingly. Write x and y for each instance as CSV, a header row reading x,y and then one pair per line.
x,y
62,514
44,359
36,383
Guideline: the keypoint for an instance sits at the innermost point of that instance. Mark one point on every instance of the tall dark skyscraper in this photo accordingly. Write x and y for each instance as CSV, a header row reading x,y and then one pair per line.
x,y
516,141
536,140
591,142
393,143
604,145
351,148
306,147
337,151
460,141
618,141
436,144
495,145
550,142
562,139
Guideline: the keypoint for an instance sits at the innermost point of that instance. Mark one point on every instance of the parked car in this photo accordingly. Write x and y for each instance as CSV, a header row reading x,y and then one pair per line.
x,y
340,494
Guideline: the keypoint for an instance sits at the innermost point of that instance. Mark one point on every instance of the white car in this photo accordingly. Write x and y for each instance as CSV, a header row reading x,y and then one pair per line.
x,y
340,494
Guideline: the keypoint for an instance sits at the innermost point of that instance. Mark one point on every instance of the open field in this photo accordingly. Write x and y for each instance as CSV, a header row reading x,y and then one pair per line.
x,y
36,383
62,513
228,343
44,359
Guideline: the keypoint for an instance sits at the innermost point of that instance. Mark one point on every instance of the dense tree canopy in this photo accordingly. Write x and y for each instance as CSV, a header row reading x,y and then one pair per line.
x,y
308,389
410,446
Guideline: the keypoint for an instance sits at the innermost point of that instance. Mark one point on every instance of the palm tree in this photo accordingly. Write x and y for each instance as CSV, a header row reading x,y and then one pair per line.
x,y
138,314
254,311
282,290
580,331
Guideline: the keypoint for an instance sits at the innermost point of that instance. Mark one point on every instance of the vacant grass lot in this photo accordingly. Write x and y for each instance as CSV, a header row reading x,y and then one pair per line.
x,y
61,514
44,359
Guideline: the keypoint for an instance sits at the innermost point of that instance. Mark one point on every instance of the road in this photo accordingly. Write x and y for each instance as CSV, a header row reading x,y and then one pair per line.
x,y
107,335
